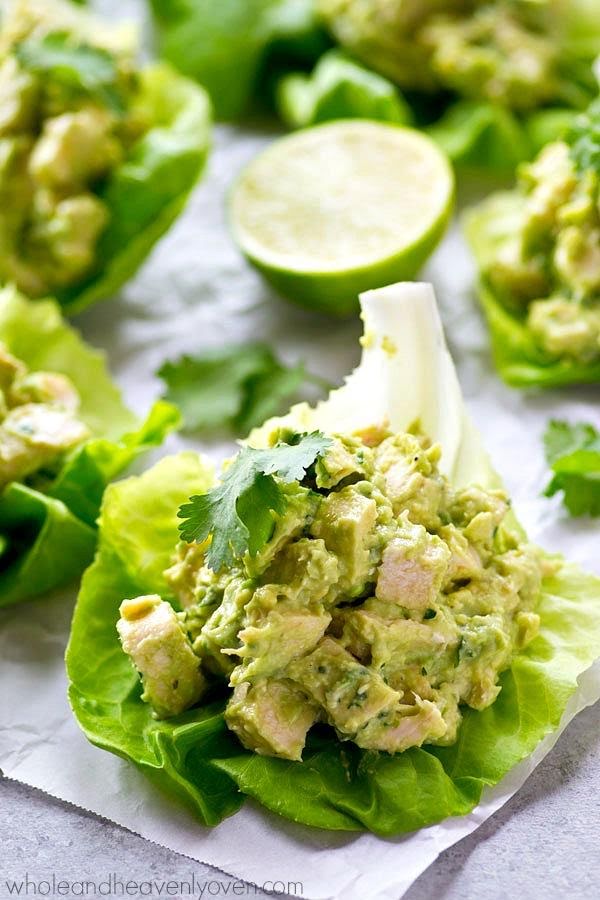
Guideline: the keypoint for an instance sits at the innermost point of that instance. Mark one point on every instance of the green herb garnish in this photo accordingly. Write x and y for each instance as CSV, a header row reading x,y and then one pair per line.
x,y
573,452
235,387
584,138
237,514
76,65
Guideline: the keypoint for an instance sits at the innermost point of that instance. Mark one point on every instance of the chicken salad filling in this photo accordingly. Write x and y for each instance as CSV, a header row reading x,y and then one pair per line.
x,y
68,117
503,51
549,269
382,600
38,421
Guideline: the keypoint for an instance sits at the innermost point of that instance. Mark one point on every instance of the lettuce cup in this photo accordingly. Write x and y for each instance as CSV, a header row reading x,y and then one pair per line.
x,y
64,434
98,154
350,627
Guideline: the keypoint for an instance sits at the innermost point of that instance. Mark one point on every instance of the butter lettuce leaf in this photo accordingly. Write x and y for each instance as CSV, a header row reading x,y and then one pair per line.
x,y
147,192
49,537
337,786
339,88
138,530
519,359
487,136
228,46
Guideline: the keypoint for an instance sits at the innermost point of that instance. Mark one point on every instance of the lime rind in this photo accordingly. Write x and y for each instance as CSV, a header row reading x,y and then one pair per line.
x,y
279,197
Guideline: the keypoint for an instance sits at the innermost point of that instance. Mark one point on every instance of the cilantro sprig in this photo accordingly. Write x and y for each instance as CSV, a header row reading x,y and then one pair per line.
x,y
584,139
237,514
573,452
76,65
235,387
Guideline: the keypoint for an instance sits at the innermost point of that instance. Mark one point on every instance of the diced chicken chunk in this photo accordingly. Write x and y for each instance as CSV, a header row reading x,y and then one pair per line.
x,y
74,149
350,693
271,717
36,435
45,387
413,568
404,727
284,635
64,234
577,259
564,328
153,638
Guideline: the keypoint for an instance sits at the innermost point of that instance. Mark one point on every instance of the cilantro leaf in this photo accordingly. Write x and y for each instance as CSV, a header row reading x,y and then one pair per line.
x,y
584,138
235,386
77,65
237,514
573,452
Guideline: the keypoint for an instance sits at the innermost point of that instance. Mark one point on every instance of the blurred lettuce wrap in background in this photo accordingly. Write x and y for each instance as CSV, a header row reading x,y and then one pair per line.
x,y
97,154
339,87
491,81
537,248
230,47
52,489
337,785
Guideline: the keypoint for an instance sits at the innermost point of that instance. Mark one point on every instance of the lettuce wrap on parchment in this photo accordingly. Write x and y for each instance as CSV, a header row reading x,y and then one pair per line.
x,y
42,745
48,518
406,375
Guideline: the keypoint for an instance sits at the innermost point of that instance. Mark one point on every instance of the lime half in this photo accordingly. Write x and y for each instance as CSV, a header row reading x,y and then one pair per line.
x,y
335,210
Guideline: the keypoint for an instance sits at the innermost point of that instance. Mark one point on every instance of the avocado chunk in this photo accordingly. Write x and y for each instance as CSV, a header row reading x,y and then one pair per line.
x,y
345,521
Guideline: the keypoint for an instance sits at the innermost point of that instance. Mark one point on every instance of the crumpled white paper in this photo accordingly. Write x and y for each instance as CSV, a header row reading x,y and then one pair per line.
x,y
196,291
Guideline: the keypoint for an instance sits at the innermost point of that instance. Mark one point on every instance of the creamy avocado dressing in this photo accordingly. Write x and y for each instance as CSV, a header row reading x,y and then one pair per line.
x,y
61,135
38,420
383,601
550,268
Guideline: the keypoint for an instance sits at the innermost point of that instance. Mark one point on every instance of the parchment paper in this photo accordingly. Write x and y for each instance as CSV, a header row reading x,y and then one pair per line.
x,y
196,291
